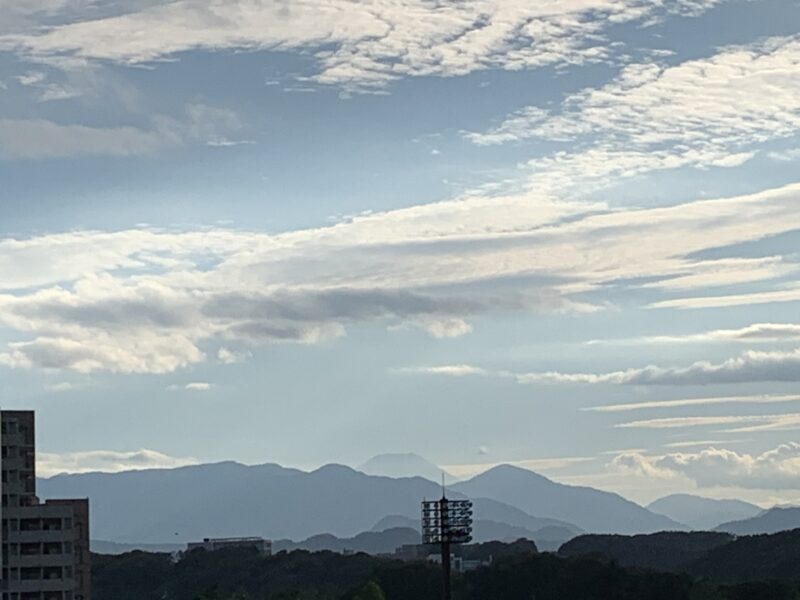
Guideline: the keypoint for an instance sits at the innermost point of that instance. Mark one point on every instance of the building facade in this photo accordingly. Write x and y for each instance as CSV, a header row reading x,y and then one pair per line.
x,y
263,546
45,545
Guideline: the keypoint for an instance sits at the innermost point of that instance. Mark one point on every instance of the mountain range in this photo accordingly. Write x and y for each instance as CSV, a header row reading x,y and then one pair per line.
x,y
229,499
768,521
703,514
592,510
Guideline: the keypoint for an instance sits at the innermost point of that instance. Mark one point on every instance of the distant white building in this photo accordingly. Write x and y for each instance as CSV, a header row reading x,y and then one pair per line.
x,y
263,546
458,563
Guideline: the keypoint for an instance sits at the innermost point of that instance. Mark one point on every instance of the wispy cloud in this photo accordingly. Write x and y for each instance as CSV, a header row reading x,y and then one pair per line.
x,y
708,112
357,46
694,444
738,423
40,138
786,293
680,403
757,332
198,386
154,301
790,155
109,461
750,366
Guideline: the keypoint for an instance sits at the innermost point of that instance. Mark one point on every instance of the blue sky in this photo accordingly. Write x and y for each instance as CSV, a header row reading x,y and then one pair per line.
x,y
308,232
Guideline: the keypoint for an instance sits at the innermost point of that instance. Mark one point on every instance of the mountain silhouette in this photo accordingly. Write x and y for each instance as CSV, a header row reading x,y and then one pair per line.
x,y
404,465
549,534
230,499
769,521
702,513
590,509
370,542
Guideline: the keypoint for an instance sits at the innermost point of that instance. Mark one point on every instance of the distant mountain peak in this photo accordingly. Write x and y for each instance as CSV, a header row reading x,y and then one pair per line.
x,y
703,513
404,465
769,521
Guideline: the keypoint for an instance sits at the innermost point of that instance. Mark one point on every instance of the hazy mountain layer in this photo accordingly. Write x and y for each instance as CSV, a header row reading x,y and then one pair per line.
x,y
405,465
702,513
769,521
229,499
592,510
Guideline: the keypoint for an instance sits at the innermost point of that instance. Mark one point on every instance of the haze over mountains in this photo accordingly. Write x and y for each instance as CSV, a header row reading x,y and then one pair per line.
x,y
703,513
337,507
227,498
768,521
590,509
405,465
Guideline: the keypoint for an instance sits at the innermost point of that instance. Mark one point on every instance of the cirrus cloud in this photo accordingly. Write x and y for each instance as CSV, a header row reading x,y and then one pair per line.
x,y
153,301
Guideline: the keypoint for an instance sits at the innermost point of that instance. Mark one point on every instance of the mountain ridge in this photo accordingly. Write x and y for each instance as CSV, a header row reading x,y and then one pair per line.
x,y
702,513
228,499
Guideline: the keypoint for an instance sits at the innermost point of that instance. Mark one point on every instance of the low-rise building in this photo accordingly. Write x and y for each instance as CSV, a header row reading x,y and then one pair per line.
x,y
263,546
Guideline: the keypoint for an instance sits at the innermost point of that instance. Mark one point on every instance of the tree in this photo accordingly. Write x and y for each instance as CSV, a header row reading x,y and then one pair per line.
x,y
370,591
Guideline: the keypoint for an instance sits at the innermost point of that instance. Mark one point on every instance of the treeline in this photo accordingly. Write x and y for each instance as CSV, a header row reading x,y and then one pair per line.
x,y
517,573
715,556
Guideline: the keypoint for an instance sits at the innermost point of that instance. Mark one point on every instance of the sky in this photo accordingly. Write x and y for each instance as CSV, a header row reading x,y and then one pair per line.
x,y
558,234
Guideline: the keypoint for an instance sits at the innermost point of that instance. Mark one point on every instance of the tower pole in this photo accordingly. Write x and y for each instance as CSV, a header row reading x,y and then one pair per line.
x,y
444,511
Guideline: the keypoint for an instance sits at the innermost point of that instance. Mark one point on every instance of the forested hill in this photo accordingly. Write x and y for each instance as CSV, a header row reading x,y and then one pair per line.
x,y
762,566
712,555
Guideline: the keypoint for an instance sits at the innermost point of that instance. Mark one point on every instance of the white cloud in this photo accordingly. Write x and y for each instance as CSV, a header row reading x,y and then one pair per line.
x,y
757,332
439,328
786,293
357,46
692,444
229,357
146,300
700,113
638,465
790,155
753,399
450,370
108,461
198,386
750,366
775,469
31,78
61,386
738,423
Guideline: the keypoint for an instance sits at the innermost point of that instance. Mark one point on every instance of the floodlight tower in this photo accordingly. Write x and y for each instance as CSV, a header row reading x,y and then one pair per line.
x,y
446,522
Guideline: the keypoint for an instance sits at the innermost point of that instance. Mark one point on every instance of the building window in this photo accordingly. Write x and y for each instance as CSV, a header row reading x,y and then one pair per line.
x,y
30,524
51,548
51,524
28,573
